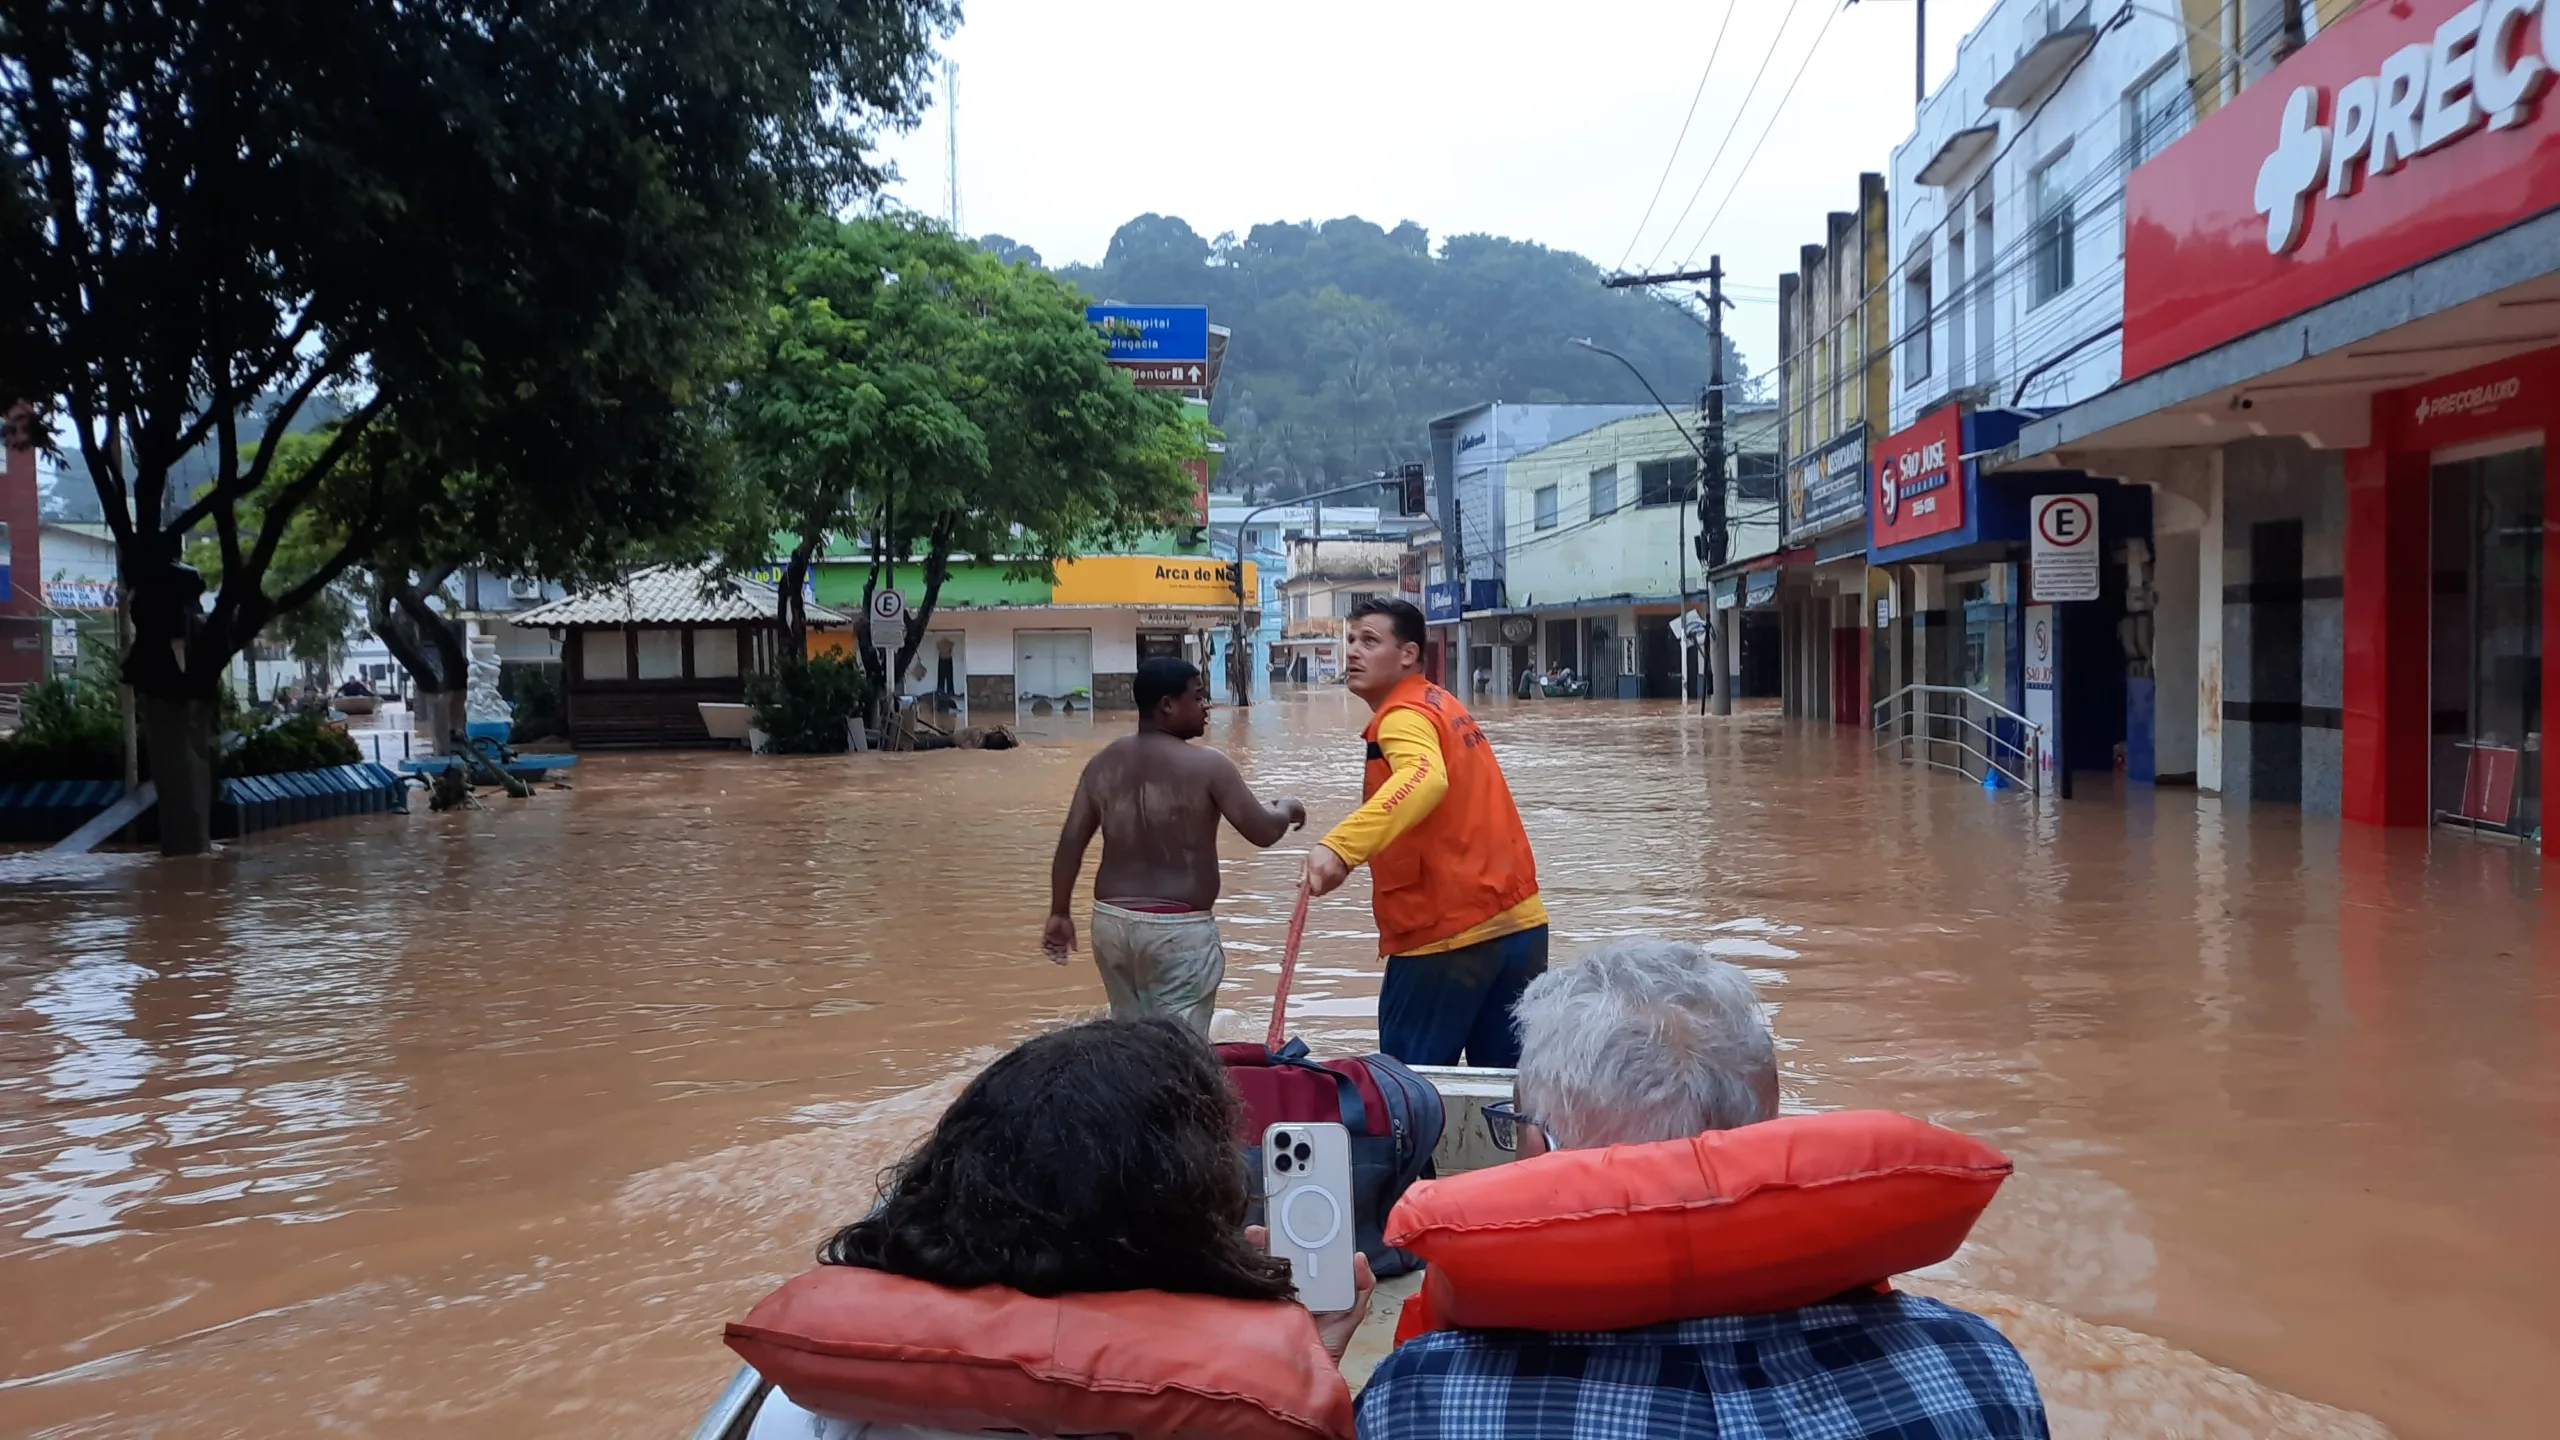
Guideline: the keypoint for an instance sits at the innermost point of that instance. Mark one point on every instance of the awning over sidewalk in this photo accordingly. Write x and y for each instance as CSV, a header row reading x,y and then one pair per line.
x,y
2314,243
2315,374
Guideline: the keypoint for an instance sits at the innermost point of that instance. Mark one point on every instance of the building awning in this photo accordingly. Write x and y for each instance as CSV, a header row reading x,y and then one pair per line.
x,y
2315,374
2041,66
1957,157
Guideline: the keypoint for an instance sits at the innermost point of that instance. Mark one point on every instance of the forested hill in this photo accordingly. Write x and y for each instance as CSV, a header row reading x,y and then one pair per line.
x,y
1348,338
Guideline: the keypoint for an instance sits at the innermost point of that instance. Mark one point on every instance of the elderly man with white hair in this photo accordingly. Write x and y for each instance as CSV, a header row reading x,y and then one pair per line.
x,y
1654,1040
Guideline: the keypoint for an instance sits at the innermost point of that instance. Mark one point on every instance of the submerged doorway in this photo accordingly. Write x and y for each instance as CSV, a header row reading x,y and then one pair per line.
x,y
2485,770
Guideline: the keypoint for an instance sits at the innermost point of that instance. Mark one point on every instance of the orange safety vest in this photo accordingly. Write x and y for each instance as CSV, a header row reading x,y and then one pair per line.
x,y
1468,860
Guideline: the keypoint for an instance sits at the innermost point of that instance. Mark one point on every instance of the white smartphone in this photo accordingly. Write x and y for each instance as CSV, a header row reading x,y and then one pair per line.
x,y
1306,1204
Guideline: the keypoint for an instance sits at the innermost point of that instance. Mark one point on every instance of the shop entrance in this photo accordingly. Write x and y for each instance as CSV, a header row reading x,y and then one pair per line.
x,y
2485,769
1762,662
1053,671
1661,653
1605,657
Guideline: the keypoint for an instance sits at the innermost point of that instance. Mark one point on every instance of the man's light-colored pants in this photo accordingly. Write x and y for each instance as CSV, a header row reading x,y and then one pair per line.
x,y
1169,965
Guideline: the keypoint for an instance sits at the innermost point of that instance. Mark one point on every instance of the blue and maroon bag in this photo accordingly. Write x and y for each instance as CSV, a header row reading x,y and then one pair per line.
x,y
1394,1115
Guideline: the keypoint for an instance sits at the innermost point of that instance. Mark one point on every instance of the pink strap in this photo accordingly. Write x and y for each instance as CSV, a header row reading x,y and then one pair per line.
x,y
1288,972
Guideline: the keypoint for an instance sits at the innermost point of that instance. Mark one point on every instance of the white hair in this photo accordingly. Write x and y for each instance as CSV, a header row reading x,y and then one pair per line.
x,y
1644,1040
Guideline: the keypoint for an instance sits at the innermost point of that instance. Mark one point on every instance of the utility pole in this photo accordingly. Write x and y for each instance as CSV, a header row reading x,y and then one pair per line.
x,y
951,138
1919,52
1715,541
1708,462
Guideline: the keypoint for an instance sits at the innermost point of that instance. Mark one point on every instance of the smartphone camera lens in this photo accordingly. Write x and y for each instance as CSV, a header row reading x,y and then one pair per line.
x,y
1302,1152
1280,1162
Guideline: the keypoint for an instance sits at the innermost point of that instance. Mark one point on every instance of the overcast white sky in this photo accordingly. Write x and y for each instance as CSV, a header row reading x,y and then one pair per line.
x,y
1542,121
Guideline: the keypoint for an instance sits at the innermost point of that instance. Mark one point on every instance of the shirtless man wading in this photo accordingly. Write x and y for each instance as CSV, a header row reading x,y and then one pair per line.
x,y
1157,799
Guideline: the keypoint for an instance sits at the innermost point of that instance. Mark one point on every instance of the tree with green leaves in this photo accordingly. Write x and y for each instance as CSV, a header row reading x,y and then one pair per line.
x,y
1350,337
508,239
918,392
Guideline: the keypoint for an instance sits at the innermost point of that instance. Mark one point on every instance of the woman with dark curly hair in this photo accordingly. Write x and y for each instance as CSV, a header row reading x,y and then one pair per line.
x,y
1101,1157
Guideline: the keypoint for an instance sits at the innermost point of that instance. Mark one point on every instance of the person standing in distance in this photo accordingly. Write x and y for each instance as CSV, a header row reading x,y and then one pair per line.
x,y
1157,799
1455,887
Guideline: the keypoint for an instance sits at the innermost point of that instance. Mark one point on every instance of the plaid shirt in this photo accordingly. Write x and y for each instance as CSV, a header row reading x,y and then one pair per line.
x,y
1894,1367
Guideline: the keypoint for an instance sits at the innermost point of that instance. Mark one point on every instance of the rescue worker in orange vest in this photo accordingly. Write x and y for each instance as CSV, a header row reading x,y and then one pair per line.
x,y
1455,887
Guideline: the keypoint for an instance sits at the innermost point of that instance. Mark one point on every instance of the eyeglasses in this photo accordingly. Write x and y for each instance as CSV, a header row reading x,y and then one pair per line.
x,y
1503,1120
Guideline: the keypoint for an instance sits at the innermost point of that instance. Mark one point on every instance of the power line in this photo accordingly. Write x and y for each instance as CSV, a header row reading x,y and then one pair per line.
x,y
1735,188
1699,94
1770,54
1967,288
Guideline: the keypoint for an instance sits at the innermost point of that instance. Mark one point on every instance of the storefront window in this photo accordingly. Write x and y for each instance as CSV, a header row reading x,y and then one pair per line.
x,y
715,654
2487,671
661,655
606,655
1986,643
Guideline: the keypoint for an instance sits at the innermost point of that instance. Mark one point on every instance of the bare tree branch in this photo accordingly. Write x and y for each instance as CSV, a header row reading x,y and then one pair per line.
x,y
279,420
280,510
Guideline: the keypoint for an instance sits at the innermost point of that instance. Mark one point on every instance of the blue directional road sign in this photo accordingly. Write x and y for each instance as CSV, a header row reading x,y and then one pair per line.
x,y
1153,334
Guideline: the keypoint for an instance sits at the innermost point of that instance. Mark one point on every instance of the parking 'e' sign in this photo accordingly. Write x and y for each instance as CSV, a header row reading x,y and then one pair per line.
x,y
2063,558
888,618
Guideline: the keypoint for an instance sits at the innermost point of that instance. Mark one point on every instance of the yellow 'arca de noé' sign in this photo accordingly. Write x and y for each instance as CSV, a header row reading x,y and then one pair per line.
x,y
1167,581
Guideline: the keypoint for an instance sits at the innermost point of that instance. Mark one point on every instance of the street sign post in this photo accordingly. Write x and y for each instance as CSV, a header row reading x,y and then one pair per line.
x,y
1163,347
888,619
1150,375
2064,549
1152,334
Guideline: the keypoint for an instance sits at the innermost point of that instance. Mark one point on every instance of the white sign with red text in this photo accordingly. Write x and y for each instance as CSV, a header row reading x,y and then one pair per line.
x,y
2062,552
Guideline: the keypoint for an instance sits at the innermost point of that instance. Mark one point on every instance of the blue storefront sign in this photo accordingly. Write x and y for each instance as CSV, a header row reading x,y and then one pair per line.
x,y
1830,484
1152,334
1440,602
1760,587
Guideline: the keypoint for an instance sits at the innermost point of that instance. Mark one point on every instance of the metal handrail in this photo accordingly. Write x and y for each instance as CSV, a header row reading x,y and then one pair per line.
x,y
1985,701
1895,712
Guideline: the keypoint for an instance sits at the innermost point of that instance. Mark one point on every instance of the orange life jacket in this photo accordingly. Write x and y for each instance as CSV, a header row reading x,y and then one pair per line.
x,y
1469,859
840,1340
1768,1217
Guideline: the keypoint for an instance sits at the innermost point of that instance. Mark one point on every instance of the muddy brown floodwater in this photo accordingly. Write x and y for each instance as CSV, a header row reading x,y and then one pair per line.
x,y
482,1124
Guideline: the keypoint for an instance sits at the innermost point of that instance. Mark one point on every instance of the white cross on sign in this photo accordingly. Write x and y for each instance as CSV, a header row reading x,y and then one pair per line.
x,y
888,619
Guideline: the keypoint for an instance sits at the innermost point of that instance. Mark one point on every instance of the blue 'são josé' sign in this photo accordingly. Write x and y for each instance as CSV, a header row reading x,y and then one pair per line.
x,y
1152,333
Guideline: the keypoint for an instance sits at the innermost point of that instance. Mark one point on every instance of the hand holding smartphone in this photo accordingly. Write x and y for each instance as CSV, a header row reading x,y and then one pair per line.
x,y
1306,1188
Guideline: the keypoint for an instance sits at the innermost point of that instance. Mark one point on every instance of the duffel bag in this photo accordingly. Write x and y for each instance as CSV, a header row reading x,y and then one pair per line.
x,y
1394,1115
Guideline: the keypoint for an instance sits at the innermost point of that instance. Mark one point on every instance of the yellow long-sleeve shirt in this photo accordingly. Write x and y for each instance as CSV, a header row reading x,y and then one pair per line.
x,y
1417,778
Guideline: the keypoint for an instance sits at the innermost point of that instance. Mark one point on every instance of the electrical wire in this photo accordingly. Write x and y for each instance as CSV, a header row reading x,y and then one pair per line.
x,y
1772,53
2008,264
1735,187
1677,141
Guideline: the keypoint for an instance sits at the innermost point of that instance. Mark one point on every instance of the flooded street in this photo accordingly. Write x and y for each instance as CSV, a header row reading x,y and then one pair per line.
x,y
484,1123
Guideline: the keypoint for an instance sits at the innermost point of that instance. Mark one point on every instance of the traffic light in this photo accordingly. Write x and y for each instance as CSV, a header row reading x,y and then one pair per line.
x,y
1412,491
